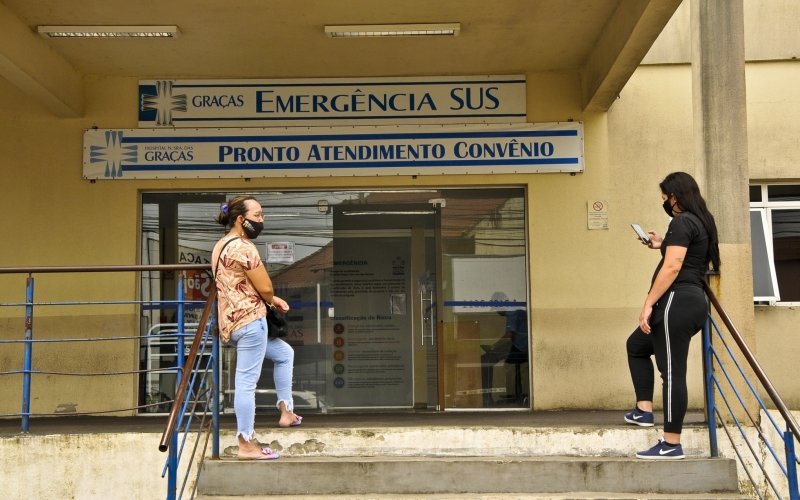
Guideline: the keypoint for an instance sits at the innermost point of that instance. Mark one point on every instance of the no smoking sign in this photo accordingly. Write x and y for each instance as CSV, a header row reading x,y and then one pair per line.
x,y
597,214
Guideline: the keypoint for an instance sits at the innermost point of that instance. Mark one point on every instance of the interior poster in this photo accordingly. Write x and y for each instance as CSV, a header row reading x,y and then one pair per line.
x,y
372,350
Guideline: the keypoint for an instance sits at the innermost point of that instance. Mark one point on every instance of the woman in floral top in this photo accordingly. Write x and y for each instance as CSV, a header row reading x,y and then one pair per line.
x,y
244,292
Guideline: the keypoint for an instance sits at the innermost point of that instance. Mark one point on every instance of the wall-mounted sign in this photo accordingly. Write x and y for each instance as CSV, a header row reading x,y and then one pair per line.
x,y
235,153
338,101
597,214
280,252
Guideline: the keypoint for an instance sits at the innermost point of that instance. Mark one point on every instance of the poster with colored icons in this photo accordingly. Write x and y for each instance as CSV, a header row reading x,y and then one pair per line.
x,y
372,345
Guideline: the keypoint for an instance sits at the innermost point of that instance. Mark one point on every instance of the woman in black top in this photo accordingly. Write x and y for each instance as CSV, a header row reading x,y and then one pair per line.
x,y
674,311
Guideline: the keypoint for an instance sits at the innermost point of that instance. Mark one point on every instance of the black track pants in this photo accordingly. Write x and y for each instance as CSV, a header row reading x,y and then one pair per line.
x,y
676,318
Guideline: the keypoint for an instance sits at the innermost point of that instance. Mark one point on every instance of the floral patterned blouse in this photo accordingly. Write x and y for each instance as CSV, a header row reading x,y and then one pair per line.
x,y
239,302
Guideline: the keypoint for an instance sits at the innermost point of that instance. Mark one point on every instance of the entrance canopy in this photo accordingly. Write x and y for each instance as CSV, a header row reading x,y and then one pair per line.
x,y
600,42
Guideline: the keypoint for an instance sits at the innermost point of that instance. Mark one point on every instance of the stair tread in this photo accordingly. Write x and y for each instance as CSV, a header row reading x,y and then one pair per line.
x,y
587,495
470,462
466,458
453,475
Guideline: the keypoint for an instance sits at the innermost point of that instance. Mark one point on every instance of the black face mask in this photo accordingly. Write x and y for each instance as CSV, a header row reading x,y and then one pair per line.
x,y
668,207
252,228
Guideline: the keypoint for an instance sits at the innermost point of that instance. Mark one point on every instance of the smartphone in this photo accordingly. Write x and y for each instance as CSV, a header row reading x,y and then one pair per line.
x,y
641,233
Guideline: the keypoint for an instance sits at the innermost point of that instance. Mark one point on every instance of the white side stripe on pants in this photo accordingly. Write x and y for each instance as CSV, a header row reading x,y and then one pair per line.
x,y
668,409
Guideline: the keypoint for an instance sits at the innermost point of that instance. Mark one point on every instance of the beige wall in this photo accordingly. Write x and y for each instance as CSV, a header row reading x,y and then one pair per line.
x,y
87,466
770,33
588,286
773,128
778,343
59,393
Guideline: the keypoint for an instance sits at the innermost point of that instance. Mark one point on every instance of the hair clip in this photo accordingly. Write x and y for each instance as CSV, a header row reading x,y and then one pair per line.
x,y
224,208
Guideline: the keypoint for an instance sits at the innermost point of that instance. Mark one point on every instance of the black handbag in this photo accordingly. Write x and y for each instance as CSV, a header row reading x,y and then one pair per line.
x,y
276,323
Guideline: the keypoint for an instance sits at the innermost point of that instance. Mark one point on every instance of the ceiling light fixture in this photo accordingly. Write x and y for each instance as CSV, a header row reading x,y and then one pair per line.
x,y
108,31
388,30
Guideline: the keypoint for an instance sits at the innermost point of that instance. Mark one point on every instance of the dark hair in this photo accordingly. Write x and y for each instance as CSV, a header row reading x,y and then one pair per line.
x,y
232,209
687,193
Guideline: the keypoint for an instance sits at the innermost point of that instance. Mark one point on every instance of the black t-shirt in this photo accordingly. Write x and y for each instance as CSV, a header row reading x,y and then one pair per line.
x,y
687,230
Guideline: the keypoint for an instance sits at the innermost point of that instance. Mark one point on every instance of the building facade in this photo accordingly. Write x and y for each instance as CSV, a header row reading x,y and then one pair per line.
x,y
404,285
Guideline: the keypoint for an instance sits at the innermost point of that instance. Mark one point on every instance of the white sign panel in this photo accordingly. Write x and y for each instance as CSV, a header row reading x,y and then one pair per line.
x,y
371,151
360,101
597,214
280,252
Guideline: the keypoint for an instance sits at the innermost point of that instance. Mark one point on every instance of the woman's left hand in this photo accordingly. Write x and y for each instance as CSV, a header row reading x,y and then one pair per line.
x,y
280,304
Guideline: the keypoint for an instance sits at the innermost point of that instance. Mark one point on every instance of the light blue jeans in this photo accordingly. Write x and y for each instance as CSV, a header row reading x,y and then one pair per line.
x,y
252,346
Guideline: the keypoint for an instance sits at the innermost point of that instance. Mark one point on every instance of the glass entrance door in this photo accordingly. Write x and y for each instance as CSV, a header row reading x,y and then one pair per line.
x,y
484,300
383,290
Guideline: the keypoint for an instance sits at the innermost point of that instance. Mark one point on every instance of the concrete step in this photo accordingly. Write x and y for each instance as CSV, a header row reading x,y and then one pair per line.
x,y
388,475
469,440
579,495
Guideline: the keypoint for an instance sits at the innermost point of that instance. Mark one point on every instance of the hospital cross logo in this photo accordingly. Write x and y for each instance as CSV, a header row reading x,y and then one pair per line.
x,y
159,100
113,153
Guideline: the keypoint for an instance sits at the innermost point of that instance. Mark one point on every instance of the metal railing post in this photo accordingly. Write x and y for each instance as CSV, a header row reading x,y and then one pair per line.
x,y
215,390
711,409
27,362
181,323
172,457
791,464
172,469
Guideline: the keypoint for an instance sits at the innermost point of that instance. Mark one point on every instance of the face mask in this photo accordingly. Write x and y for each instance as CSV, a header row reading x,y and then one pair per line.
x,y
252,228
668,207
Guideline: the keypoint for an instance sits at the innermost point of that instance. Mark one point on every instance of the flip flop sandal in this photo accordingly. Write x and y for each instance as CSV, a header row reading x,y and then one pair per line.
x,y
297,421
266,454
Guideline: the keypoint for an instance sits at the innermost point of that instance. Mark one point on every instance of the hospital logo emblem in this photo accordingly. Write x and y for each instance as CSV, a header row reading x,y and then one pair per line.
x,y
157,103
112,154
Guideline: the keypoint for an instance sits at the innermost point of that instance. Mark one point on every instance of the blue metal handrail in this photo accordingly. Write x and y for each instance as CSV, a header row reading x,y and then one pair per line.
x,y
715,358
198,389
196,402
28,340
181,417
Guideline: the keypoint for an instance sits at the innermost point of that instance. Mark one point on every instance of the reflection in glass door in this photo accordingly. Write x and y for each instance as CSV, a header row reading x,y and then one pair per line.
x,y
176,229
400,298
484,324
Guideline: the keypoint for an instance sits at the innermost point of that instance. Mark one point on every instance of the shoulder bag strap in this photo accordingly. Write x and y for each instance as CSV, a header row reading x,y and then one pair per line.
x,y
216,267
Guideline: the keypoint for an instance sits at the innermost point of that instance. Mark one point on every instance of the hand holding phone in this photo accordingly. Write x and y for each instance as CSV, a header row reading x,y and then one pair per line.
x,y
641,233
